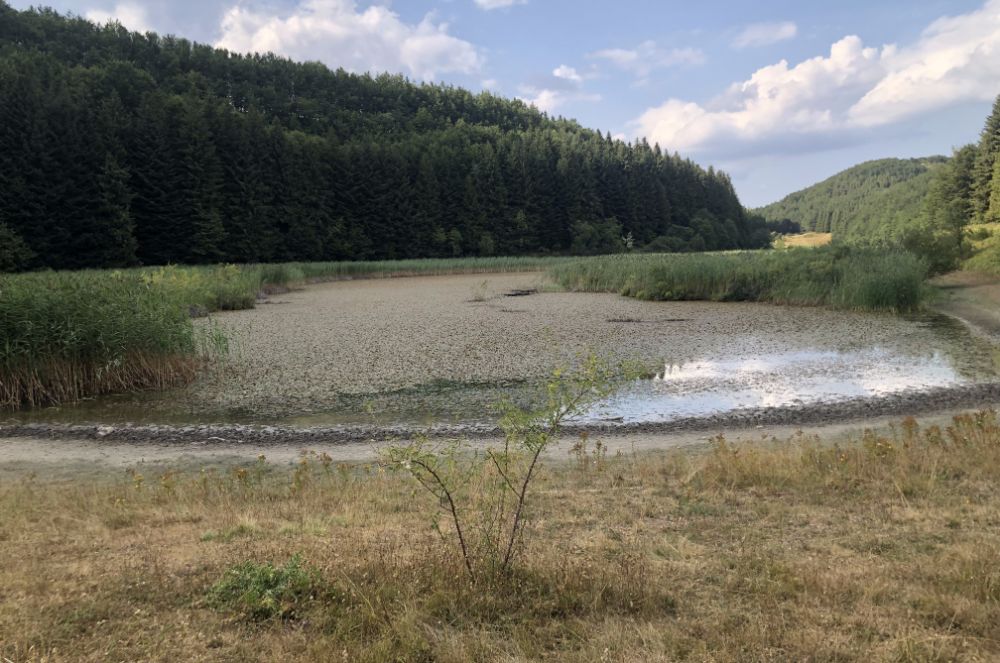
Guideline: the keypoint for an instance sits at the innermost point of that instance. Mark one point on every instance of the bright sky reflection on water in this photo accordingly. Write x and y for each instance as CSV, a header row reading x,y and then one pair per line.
x,y
715,386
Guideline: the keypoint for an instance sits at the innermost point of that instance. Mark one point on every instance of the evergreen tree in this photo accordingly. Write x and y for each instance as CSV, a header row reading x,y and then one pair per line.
x,y
118,147
14,252
118,245
982,175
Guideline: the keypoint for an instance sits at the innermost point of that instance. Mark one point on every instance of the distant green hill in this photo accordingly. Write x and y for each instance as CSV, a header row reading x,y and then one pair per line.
x,y
870,201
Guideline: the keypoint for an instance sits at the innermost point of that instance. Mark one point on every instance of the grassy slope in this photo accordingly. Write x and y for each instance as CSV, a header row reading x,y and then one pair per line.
x,y
884,550
867,200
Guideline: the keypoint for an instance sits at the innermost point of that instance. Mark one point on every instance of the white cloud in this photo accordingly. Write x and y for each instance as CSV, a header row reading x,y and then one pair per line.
x,y
563,86
129,14
642,60
549,101
829,99
337,33
498,4
956,59
764,34
568,73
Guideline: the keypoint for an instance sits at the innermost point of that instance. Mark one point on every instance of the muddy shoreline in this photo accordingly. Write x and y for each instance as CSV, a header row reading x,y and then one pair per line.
x,y
932,401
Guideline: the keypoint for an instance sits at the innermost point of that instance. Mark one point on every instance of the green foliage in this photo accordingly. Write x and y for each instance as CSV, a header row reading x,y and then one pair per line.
x,y
921,205
14,253
984,188
873,200
262,591
939,232
484,495
836,276
597,238
119,149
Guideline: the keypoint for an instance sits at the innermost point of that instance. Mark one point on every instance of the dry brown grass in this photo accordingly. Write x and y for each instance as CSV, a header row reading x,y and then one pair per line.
x,y
883,550
807,239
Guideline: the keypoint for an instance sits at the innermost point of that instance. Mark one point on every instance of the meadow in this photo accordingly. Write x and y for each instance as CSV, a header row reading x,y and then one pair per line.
x,y
880,548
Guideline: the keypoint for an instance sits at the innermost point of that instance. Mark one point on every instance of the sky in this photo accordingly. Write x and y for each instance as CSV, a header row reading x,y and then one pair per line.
x,y
778,93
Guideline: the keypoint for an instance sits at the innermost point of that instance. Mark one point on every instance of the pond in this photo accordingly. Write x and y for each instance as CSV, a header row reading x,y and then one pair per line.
x,y
447,349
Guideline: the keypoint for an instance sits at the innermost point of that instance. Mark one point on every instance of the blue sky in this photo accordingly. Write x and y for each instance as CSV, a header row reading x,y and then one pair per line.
x,y
778,93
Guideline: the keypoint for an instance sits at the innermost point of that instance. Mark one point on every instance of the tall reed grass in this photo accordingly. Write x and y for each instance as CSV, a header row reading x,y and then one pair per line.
x,y
835,276
68,335
295,272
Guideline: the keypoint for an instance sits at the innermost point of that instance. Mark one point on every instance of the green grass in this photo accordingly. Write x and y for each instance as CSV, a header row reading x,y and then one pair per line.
x,y
838,277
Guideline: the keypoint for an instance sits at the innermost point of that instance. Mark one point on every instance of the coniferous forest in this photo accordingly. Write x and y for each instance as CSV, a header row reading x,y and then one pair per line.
x,y
119,148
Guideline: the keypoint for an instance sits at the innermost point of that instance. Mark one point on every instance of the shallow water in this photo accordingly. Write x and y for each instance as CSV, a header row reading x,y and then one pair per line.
x,y
799,378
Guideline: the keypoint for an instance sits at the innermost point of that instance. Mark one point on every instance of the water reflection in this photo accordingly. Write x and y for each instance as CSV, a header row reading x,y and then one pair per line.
x,y
712,386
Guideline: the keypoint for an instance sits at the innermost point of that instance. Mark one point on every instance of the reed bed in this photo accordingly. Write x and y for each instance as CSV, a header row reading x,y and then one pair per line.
x,y
69,335
296,272
834,276
75,334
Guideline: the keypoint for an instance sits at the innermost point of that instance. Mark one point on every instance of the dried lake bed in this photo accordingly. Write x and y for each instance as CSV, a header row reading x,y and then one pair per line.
x,y
417,351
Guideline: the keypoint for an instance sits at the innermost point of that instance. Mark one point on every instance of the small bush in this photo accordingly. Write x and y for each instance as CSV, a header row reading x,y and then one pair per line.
x,y
264,591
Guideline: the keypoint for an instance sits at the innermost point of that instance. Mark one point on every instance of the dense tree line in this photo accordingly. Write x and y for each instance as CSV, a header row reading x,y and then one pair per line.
x,y
118,148
871,199
965,192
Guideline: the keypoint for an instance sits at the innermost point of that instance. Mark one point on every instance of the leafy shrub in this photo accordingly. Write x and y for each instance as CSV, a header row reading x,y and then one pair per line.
x,y
264,591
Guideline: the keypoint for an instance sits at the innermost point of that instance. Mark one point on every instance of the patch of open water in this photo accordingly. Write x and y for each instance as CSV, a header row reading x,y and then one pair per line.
x,y
708,386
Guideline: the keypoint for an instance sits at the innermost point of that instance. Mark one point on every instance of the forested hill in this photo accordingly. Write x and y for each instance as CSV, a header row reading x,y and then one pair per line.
x,y
871,200
118,148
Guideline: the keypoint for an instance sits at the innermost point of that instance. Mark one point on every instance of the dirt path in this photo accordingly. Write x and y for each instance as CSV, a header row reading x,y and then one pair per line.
x,y
66,458
972,298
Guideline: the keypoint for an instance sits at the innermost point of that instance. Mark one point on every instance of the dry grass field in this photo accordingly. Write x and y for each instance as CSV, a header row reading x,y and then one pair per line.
x,y
805,239
881,550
